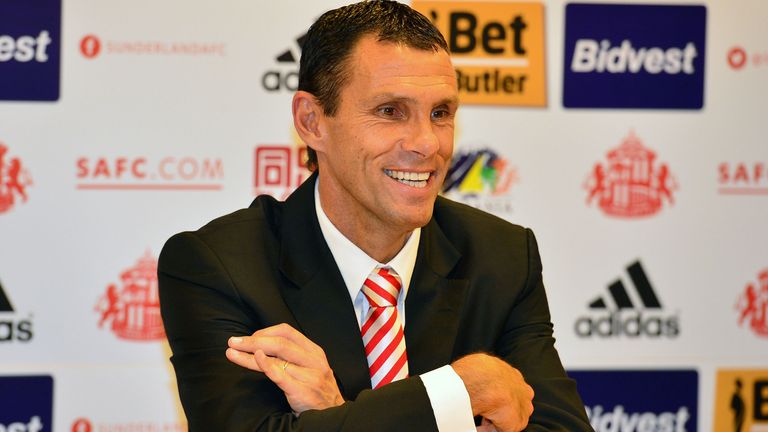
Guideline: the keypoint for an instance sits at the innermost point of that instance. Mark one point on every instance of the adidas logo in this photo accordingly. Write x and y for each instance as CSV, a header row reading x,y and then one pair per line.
x,y
621,315
12,330
276,80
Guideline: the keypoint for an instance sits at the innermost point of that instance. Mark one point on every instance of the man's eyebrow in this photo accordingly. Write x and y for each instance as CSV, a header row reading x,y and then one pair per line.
x,y
393,97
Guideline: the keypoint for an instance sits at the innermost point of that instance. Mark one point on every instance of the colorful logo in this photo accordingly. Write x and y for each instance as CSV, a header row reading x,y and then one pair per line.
x,y
132,307
14,180
640,400
618,315
634,56
743,178
286,76
752,305
30,50
279,169
170,173
496,47
482,179
27,403
741,400
629,184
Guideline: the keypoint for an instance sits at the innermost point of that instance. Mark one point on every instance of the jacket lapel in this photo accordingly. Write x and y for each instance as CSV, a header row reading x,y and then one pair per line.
x,y
434,303
317,295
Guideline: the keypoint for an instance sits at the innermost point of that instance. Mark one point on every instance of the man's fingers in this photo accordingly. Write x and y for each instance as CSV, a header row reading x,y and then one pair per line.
x,y
273,346
244,359
286,331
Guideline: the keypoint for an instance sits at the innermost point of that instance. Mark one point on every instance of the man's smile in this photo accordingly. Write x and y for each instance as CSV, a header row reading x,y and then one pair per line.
x,y
410,178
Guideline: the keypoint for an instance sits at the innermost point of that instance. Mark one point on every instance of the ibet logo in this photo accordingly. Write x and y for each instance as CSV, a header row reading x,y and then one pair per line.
x,y
27,403
279,169
496,47
14,180
741,400
30,50
285,76
132,306
482,179
625,313
752,305
631,183
640,400
634,56
176,173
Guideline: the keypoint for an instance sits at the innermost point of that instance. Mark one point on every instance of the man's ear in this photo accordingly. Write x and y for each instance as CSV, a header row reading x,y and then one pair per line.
x,y
308,119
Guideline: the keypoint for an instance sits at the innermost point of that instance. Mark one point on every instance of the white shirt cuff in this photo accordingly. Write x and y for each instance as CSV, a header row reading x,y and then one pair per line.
x,y
449,399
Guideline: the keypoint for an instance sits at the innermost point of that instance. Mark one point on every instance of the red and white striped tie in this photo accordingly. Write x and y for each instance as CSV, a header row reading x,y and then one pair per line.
x,y
382,329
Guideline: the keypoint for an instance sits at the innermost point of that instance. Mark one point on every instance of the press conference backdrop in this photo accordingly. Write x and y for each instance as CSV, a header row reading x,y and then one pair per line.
x,y
630,136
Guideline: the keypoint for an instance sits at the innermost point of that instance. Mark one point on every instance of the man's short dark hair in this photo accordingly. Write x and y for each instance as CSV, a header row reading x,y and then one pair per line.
x,y
330,41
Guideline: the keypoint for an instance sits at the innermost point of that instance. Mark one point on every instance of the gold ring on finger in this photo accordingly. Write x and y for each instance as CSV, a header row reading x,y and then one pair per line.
x,y
285,365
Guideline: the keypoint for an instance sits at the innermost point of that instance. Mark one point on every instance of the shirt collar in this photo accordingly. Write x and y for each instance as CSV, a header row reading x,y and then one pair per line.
x,y
354,264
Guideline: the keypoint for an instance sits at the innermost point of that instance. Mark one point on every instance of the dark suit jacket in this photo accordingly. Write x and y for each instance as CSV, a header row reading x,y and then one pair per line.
x,y
476,287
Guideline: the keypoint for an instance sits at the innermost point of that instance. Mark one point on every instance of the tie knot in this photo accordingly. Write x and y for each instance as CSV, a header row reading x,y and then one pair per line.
x,y
382,287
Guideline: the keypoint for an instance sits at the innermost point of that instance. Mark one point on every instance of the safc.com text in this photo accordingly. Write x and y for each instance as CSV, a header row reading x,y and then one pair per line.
x,y
144,173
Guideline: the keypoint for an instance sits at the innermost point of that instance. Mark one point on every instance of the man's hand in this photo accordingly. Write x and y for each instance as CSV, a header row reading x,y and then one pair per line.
x,y
497,392
294,363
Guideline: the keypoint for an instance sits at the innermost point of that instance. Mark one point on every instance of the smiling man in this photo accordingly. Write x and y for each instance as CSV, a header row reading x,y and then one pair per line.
x,y
365,301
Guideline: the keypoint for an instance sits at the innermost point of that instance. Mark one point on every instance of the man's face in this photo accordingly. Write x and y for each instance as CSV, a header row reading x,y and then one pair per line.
x,y
389,144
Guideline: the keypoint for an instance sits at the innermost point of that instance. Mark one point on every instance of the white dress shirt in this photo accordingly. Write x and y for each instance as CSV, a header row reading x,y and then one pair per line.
x,y
445,389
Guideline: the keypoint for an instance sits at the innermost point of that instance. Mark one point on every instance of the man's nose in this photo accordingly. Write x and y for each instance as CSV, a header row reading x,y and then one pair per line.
x,y
423,140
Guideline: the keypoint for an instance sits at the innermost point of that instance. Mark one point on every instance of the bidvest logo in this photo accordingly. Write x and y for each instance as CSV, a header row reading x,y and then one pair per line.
x,y
12,329
630,185
14,180
496,47
178,173
482,179
285,77
29,50
279,169
640,400
741,400
752,305
619,315
634,56
26,403
132,307
743,178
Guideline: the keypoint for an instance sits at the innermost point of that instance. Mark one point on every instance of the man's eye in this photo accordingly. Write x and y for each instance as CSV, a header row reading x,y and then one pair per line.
x,y
388,111
440,114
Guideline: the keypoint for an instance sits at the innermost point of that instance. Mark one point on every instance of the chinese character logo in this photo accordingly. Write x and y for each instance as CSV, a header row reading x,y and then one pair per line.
x,y
480,172
753,305
132,308
630,184
14,180
279,170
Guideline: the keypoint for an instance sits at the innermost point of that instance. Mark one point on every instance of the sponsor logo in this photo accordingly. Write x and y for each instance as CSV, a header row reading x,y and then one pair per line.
x,y
87,425
629,184
752,305
146,173
14,180
12,329
496,47
482,179
619,315
30,50
279,169
27,403
284,76
612,63
743,178
741,400
640,400
131,307
92,46
738,58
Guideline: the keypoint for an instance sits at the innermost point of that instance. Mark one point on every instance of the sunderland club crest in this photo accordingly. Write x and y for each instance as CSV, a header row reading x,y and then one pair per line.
x,y
14,180
630,184
132,308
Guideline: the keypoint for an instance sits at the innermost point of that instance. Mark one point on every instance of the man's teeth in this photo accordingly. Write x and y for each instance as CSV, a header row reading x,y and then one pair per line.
x,y
415,179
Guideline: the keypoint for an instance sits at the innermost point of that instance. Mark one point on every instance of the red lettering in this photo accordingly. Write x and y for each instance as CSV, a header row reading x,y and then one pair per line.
x,y
724,177
741,174
82,167
212,169
102,169
163,171
188,168
137,172
758,172
119,167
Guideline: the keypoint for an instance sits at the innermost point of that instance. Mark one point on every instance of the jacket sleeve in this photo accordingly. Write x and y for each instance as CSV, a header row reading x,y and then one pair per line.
x,y
201,310
527,343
